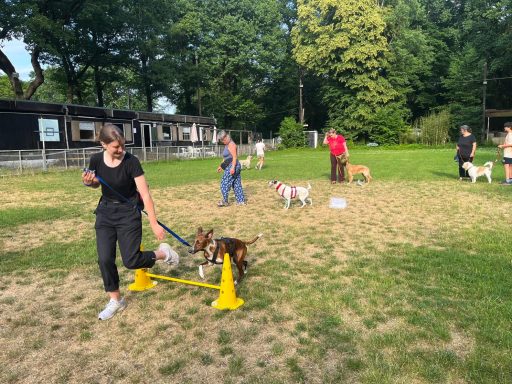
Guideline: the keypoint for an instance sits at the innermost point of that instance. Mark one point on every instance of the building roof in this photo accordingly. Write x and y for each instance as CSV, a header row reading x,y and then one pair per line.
x,y
26,106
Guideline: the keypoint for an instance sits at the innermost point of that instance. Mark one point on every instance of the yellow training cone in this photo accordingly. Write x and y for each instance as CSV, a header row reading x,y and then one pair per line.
x,y
142,281
227,297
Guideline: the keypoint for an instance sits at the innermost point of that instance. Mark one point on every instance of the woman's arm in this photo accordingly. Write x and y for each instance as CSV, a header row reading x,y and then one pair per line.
x,y
325,139
473,150
345,147
143,189
232,151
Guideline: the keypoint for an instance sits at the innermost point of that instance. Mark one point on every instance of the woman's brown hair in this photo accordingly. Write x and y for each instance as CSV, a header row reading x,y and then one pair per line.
x,y
110,133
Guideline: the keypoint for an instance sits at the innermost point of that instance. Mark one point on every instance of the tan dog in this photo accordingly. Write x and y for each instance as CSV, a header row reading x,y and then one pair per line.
x,y
246,163
214,250
353,169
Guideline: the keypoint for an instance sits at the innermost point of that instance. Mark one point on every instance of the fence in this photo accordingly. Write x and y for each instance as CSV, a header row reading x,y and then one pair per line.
x,y
18,162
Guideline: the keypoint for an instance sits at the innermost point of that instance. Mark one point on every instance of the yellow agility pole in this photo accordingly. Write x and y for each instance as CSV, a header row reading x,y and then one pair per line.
x,y
189,282
143,281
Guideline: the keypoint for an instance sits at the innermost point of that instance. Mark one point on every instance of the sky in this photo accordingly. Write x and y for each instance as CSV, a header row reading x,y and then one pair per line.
x,y
20,58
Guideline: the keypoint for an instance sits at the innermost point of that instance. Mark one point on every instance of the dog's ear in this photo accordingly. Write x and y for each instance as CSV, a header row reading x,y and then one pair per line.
x,y
209,234
199,230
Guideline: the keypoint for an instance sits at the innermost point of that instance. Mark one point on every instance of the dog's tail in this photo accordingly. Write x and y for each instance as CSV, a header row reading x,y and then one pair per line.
x,y
489,164
254,240
309,186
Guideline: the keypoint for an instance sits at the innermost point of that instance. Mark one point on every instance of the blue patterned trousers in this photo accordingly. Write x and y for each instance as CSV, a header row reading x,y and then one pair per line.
x,y
229,181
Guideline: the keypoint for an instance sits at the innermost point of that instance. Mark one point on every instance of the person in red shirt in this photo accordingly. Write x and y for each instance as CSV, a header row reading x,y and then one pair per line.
x,y
337,147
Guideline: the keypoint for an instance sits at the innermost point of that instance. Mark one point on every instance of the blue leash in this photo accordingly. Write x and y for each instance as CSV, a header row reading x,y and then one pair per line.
x,y
176,236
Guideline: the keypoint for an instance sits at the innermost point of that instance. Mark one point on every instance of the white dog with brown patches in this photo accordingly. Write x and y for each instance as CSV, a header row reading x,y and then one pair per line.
x,y
288,193
475,172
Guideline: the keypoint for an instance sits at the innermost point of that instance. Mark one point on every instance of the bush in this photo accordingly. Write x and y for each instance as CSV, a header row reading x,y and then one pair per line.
x,y
434,128
291,133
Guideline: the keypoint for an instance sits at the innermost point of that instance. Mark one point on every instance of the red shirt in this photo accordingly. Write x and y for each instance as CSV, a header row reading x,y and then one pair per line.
x,y
336,145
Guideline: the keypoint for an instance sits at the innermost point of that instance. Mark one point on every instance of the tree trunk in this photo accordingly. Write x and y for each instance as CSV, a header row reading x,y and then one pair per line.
x,y
39,79
99,87
10,71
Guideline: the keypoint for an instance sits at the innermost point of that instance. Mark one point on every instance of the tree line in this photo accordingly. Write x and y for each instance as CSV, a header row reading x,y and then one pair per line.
x,y
369,68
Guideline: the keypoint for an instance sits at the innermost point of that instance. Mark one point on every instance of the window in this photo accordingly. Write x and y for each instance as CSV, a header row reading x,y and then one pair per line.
x,y
167,132
86,130
186,133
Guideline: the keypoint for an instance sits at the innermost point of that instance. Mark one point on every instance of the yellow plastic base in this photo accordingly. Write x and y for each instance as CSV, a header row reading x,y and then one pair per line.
x,y
142,281
231,306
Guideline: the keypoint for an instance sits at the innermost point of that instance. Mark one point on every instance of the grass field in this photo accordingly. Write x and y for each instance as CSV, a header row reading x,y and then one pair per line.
x,y
411,283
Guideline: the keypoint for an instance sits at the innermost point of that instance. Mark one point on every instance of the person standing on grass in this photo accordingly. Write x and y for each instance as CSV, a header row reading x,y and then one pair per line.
x,y
232,168
338,154
260,152
120,221
466,148
507,153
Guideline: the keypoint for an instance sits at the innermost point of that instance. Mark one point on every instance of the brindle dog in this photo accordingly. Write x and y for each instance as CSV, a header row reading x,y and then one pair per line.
x,y
214,250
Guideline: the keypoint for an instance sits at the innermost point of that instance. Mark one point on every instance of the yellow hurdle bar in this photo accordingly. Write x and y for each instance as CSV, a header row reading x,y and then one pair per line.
x,y
183,281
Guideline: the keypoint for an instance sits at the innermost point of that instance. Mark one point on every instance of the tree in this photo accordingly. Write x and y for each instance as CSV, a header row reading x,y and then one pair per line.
x,y
13,14
345,42
291,133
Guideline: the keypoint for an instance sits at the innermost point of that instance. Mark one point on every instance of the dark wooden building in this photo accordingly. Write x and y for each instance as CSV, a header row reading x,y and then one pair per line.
x,y
26,124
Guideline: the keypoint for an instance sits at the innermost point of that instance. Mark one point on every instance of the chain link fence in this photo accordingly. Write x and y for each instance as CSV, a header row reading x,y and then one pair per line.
x,y
31,161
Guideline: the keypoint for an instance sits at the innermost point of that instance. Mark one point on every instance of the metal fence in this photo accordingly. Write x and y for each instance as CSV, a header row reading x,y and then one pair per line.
x,y
30,161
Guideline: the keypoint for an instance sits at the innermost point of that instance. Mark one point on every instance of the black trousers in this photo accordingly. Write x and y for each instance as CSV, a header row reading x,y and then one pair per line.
x,y
335,169
462,159
121,223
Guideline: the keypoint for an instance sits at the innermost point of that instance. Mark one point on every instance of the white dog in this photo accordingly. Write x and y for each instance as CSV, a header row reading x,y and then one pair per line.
x,y
475,172
246,163
288,193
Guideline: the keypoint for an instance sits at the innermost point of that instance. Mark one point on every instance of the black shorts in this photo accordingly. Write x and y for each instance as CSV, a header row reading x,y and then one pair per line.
x,y
507,160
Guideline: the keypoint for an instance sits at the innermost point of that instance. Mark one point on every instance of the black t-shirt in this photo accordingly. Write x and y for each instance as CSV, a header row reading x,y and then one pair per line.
x,y
120,178
466,145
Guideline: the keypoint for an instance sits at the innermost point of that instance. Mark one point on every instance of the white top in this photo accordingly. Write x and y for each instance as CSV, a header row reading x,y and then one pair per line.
x,y
260,149
507,151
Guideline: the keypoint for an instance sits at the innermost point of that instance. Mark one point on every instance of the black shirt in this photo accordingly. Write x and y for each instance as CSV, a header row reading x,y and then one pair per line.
x,y
466,145
120,178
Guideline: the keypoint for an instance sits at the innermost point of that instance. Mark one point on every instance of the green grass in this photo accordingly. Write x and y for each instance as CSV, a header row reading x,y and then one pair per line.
x,y
439,312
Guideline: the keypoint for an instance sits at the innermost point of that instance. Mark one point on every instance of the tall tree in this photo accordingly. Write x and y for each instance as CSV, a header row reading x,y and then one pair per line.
x,y
345,42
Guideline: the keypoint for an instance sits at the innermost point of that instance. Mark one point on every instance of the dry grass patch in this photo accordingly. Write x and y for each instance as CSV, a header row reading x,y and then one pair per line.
x,y
33,235
303,320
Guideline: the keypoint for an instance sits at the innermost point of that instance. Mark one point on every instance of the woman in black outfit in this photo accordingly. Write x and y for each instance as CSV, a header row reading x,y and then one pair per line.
x,y
466,147
120,221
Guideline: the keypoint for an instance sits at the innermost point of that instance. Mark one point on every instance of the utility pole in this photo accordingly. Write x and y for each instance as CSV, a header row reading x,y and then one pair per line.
x,y
301,109
199,106
485,130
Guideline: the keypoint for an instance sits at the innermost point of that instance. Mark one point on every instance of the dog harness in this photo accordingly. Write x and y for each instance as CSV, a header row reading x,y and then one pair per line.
x,y
230,245
293,192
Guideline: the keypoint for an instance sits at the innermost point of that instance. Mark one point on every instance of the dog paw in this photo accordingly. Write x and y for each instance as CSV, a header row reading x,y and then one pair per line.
x,y
201,273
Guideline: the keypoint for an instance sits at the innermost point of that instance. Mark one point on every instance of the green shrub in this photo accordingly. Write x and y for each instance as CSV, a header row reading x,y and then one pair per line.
x,y
291,133
434,128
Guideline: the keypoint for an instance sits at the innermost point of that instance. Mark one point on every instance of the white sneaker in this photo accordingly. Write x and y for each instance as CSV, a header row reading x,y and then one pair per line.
x,y
171,257
112,308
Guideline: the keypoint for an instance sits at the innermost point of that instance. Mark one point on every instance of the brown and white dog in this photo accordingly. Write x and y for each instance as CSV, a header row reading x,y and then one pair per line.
x,y
214,250
353,169
288,193
474,171
246,163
